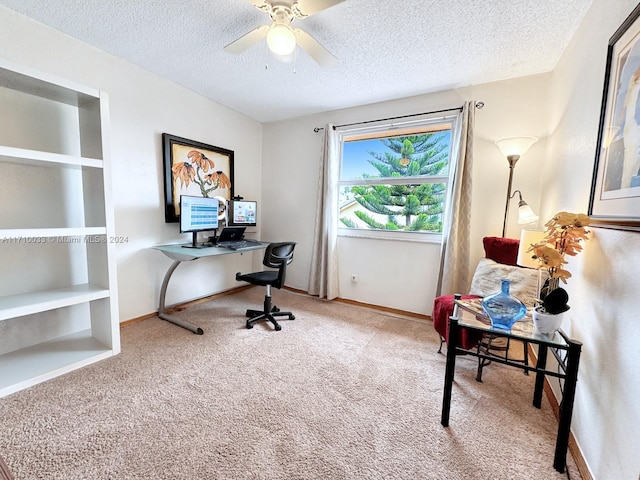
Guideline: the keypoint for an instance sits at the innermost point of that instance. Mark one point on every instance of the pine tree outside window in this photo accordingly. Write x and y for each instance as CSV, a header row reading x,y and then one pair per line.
x,y
394,180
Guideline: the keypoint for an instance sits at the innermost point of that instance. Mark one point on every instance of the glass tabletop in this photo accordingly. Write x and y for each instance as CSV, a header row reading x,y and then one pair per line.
x,y
183,253
471,315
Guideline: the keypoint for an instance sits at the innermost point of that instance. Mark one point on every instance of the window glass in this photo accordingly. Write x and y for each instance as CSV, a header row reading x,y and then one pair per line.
x,y
395,180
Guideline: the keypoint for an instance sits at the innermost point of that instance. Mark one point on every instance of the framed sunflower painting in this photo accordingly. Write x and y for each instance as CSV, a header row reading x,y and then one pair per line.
x,y
194,168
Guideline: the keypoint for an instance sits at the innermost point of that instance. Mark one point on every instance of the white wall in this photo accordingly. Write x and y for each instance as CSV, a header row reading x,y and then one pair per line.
x,y
604,286
143,106
391,273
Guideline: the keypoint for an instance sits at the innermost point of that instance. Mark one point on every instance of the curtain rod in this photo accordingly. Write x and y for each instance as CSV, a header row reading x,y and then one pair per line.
x,y
479,105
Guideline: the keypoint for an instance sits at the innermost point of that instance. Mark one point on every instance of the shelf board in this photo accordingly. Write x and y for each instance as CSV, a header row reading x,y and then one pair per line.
x,y
29,303
38,157
32,365
42,85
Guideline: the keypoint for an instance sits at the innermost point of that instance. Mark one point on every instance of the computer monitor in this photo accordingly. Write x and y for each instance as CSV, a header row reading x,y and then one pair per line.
x,y
242,213
198,214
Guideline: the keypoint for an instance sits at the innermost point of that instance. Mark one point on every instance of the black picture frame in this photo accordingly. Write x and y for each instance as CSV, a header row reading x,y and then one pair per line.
x,y
614,200
194,168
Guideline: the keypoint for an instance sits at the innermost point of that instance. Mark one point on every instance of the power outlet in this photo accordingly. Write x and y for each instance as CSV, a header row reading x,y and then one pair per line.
x,y
354,278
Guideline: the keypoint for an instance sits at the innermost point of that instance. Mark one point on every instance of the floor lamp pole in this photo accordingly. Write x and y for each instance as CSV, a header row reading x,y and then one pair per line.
x,y
512,159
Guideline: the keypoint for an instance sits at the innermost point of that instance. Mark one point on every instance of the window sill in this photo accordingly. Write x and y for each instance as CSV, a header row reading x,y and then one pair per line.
x,y
414,237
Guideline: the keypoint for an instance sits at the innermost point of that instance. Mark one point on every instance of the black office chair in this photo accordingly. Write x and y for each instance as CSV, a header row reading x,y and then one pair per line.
x,y
277,255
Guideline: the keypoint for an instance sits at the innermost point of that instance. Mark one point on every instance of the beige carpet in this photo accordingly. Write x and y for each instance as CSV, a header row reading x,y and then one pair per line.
x,y
342,392
5,474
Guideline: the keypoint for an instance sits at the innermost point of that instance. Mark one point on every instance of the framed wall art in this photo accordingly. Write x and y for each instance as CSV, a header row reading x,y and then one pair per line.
x,y
615,189
194,168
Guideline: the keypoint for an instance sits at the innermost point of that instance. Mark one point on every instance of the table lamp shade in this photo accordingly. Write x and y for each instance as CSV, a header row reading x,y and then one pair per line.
x,y
528,238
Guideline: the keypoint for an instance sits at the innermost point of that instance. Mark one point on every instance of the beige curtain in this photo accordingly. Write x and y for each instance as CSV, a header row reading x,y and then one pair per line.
x,y
323,279
454,259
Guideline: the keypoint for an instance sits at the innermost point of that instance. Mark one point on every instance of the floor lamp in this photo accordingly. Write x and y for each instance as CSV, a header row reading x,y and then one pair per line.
x,y
513,148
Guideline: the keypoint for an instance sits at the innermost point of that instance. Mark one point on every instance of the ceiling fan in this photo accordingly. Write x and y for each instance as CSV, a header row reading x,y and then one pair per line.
x,y
281,37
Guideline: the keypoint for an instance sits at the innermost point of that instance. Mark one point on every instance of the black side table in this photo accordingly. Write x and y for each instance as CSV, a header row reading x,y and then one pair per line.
x,y
469,315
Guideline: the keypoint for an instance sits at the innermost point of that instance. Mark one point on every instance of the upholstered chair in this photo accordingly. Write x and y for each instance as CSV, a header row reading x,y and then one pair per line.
x,y
499,263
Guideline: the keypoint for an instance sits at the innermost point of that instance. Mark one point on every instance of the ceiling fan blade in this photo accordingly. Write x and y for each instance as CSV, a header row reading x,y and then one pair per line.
x,y
248,40
306,8
260,5
316,51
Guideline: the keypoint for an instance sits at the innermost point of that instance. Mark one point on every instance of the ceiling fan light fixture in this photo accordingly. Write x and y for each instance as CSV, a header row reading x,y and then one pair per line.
x,y
281,40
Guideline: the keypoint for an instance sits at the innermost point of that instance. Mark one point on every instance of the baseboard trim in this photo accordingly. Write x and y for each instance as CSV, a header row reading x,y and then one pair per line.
x,y
380,308
574,449
182,306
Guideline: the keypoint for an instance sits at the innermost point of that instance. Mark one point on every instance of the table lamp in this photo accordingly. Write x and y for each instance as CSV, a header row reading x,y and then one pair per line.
x,y
525,259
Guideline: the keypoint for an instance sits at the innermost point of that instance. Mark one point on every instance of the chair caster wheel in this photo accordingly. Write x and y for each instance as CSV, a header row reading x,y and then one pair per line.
x,y
275,309
249,326
278,328
292,317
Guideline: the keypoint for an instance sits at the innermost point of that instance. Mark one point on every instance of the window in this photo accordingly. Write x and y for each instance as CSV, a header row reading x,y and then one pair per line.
x,y
394,179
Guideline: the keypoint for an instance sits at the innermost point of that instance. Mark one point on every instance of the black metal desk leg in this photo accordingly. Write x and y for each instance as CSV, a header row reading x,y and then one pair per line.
x,y
566,406
450,369
541,364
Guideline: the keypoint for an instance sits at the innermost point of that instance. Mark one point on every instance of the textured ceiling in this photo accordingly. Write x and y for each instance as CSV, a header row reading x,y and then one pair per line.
x,y
385,49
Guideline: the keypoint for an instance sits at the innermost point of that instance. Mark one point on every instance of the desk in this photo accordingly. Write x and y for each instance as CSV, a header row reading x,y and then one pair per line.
x,y
179,254
468,315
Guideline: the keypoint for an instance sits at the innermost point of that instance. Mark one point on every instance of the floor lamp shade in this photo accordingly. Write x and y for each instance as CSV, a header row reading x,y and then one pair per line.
x,y
525,214
515,145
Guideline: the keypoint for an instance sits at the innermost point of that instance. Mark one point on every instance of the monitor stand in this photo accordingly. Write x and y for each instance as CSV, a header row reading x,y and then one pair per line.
x,y
194,242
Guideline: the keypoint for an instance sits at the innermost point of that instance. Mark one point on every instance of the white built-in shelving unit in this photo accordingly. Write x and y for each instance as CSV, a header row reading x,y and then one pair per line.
x,y
58,298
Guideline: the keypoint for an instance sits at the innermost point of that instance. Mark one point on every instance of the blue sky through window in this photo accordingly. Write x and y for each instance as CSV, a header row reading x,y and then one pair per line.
x,y
356,156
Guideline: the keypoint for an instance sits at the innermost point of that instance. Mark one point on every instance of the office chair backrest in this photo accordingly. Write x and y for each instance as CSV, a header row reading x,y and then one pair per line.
x,y
279,255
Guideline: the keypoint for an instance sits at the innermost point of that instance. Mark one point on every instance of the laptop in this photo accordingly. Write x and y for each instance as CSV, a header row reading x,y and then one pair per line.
x,y
230,234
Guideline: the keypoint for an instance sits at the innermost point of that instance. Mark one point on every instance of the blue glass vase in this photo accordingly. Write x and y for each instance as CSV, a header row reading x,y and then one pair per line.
x,y
503,308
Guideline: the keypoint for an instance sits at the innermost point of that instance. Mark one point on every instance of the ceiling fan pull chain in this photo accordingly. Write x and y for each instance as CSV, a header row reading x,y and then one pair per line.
x,y
295,61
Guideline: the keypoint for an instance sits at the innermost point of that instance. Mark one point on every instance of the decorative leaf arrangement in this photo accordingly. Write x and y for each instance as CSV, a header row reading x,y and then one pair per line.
x,y
564,236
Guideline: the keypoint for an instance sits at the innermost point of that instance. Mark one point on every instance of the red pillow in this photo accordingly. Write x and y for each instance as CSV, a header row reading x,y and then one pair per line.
x,y
501,250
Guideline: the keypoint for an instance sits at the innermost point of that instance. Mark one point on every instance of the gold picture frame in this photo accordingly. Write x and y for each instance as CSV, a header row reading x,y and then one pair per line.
x,y
614,201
